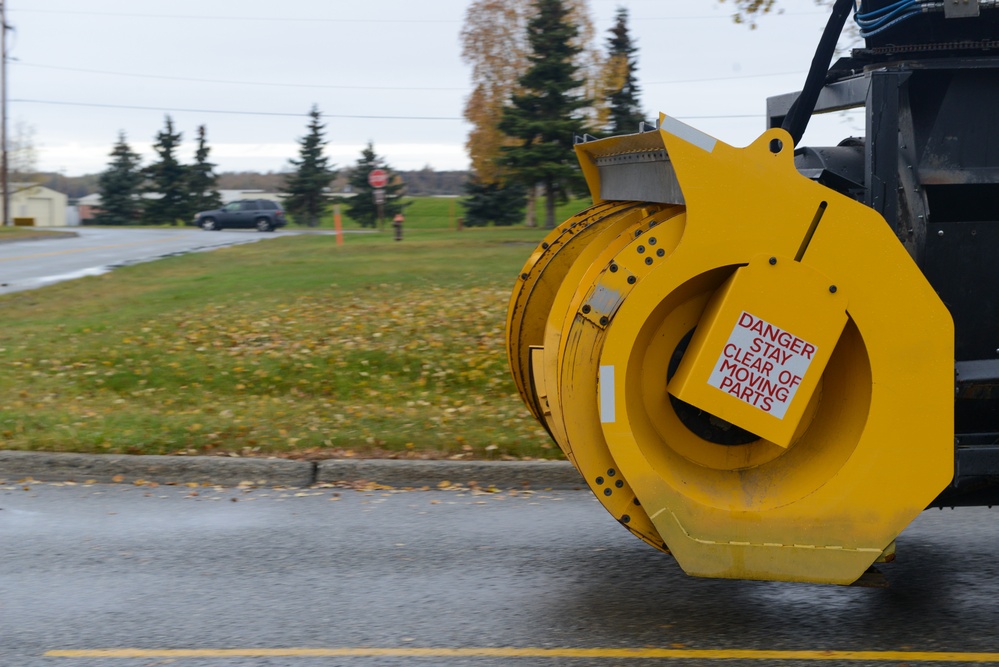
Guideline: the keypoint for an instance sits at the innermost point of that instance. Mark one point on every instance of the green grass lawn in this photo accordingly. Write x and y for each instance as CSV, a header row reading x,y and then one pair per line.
x,y
292,347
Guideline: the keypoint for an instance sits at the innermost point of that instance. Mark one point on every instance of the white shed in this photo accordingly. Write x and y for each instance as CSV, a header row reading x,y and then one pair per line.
x,y
37,206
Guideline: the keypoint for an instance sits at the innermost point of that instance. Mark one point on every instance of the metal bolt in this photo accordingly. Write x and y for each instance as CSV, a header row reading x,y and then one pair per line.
x,y
604,320
652,240
660,253
544,246
611,472
625,519
600,480
613,268
648,260
607,492
640,249
619,483
632,280
586,309
832,289
523,276
940,233
773,260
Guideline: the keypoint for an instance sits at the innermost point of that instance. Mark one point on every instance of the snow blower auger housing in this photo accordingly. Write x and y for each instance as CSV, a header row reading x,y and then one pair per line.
x,y
768,360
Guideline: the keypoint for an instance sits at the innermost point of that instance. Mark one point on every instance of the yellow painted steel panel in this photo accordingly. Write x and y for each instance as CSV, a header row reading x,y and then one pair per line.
x,y
761,347
537,285
573,388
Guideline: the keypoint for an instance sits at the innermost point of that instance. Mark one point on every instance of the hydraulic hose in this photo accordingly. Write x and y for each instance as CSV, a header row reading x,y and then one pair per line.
x,y
801,111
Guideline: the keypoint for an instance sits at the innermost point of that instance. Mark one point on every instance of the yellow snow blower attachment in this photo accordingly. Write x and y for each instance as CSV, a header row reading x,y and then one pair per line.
x,y
746,367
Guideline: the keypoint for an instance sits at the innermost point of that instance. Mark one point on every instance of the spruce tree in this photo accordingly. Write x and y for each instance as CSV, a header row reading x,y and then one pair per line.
x,y
362,207
119,186
544,118
499,203
625,110
202,180
305,189
168,179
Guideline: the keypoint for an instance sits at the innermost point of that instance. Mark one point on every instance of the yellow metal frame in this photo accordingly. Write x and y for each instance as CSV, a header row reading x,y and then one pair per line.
x,y
537,285
574,414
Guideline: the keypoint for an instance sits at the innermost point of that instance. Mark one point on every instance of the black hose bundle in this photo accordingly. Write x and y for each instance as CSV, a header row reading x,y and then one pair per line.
x,y
797,117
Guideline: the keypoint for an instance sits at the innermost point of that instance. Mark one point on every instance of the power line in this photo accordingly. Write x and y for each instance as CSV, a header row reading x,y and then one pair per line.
x,y
243,83
270,19
286,19
299,115
220,111
340,87
734,77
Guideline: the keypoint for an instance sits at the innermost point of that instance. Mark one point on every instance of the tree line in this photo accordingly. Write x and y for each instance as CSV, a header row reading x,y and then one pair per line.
x,y
538,82
163,192
167,192
419,182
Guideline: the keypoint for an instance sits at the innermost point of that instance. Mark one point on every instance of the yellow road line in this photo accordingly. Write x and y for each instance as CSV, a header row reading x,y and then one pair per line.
x,y
610,653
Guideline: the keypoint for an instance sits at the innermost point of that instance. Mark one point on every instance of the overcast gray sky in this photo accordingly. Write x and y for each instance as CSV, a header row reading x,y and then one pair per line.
x,y
386,71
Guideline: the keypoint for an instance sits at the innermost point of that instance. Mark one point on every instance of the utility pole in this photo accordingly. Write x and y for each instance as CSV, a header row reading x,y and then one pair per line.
x,y
4,185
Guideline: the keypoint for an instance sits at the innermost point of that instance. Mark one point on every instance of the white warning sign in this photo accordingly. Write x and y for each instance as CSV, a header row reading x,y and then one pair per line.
x,y
762,365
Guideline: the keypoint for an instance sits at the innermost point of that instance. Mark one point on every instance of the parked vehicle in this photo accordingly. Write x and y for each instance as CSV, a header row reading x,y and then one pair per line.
x,y
263,215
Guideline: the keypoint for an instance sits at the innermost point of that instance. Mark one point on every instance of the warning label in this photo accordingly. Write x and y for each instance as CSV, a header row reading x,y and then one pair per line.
x,y
762,365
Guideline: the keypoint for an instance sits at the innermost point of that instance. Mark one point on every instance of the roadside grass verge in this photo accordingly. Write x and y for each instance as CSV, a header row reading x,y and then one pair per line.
x,y
10,234
292,346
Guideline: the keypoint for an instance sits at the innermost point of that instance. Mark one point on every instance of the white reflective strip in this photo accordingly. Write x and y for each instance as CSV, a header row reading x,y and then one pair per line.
x,y
689,134
606,378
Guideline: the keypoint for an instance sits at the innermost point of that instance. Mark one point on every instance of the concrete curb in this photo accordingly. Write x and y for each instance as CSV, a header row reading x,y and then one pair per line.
x,y
409,473
228,471
49,467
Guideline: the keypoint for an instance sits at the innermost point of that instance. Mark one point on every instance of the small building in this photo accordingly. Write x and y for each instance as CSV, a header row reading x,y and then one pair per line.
x,y
233,195
88,207
33,205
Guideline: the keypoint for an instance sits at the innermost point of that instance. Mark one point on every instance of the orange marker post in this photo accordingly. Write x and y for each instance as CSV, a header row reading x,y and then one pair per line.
x,y
337,224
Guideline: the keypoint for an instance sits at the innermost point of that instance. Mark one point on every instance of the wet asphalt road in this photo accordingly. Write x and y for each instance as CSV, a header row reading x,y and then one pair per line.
x,y
120,566
31,264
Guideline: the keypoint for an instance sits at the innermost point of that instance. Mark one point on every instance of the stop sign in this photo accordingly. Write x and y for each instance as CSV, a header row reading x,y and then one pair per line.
x,y
378,178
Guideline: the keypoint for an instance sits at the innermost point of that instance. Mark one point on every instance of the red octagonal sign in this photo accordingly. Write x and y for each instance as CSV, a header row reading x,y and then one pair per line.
x,y
378,178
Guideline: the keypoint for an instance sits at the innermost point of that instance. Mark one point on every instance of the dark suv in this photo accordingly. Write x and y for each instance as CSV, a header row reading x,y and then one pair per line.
x,y
262,214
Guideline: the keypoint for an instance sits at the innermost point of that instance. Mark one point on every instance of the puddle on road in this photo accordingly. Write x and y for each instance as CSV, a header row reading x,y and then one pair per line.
x,y
33,283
